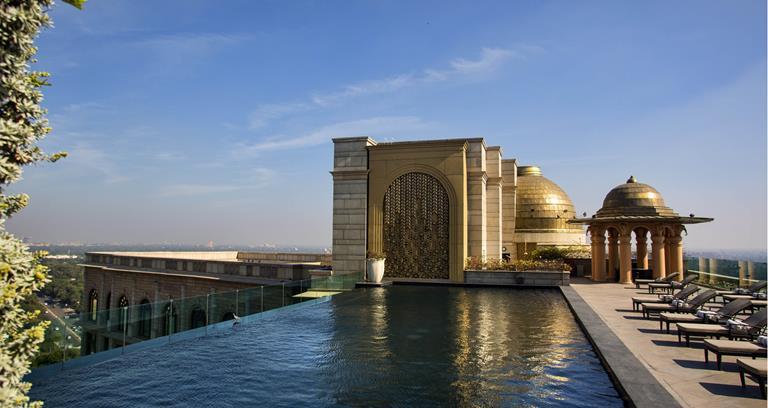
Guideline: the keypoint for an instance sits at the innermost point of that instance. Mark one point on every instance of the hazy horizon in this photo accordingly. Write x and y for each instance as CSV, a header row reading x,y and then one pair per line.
x,y
193,122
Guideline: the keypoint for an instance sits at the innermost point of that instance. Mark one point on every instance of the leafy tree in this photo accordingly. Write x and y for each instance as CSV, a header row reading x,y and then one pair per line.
x,y
22,126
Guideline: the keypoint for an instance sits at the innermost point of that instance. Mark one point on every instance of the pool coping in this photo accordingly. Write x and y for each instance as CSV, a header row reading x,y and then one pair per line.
x,y
636,385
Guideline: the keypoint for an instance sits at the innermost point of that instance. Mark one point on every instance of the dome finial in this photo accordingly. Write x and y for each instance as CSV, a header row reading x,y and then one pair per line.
x,y
632,179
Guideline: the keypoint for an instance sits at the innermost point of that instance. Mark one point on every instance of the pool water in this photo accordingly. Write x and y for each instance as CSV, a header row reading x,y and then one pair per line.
x,y
403,346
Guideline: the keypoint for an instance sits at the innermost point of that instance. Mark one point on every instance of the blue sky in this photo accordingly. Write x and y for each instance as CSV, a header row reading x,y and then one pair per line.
x,y
188,121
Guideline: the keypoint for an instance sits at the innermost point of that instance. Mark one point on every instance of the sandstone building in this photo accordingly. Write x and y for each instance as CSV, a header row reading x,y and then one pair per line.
x,y
429,205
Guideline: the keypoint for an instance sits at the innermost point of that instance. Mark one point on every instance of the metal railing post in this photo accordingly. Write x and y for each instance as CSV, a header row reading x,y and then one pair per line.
x,y
207,317
237,301
170,320
283,297
125,326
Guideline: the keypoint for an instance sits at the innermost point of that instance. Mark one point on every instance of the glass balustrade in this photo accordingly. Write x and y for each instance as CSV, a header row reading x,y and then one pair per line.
x,y
726,274
114,330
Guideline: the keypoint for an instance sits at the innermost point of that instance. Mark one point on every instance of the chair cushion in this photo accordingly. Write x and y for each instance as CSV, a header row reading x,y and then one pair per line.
x,y
703,328
681,318
731,346
755,367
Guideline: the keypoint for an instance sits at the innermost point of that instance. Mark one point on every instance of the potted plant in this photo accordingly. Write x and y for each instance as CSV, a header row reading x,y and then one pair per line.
x,y
375,266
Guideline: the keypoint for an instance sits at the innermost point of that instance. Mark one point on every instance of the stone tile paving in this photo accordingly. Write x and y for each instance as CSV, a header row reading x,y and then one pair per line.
x,y
678,368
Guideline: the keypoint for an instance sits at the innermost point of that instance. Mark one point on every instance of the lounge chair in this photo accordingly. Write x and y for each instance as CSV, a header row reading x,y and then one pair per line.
x,y
719,316
753,326
722,348
687,307
681,295
667,278
671,286
755,369
742,293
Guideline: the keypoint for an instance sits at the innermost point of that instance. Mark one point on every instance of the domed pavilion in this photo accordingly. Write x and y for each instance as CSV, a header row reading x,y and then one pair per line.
x,y
542,212
637,208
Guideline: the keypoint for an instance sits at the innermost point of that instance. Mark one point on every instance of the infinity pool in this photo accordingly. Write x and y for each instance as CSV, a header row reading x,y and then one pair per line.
x,y
404,346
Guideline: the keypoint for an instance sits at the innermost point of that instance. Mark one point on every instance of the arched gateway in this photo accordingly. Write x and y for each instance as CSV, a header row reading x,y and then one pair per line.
x,y
416,227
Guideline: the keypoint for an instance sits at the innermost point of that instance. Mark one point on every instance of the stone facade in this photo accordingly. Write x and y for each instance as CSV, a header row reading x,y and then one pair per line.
x,y
482,192
141,287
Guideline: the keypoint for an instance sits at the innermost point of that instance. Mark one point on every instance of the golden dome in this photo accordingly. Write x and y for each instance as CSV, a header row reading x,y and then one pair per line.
x,y
541,204
635,199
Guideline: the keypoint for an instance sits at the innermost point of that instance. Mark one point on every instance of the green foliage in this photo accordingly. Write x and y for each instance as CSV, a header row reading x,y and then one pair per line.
x,y
476,264
66,282
22,126
375,255
553,253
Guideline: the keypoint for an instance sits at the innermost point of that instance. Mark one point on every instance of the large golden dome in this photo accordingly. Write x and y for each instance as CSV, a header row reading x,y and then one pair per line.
x,y
634,199
542,206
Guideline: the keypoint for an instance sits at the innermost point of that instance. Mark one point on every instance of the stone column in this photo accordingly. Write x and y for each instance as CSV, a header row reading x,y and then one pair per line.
x,y
598,254
350,204
657,254
642,248
750,270
742,274
625,257
613,254
509,206
676,255
476,199
494,206
712,270
668,258
703,268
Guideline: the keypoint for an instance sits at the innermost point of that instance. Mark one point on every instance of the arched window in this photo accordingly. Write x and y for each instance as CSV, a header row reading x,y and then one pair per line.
x,y
170,320
197,318
93,305
122,314
145,319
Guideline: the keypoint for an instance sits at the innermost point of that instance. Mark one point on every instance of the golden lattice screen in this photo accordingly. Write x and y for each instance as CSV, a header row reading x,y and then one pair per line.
x,y
416,217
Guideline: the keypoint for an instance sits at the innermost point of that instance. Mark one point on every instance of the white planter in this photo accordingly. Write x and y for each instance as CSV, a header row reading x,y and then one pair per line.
x,y
375,270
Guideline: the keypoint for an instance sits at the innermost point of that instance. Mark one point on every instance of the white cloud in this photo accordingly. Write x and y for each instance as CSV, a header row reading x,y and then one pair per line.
x,y
95,159
381,126
192,42
491,59
256,178
265,113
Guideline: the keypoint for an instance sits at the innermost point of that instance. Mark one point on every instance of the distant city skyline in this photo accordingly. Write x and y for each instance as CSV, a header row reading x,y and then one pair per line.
x,y
189,122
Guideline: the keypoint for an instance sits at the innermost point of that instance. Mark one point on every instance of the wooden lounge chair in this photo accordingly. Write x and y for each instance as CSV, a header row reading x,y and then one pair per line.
x,y
671,286
720,316
755,369
681,295
667,278
755,324
751,289
688,307
722,348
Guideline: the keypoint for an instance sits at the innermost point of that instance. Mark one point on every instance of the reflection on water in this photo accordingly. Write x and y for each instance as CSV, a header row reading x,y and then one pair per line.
x,y
377,347
461,346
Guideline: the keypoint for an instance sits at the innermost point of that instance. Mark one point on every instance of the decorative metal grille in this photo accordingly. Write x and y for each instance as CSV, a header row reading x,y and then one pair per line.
x,y
416,220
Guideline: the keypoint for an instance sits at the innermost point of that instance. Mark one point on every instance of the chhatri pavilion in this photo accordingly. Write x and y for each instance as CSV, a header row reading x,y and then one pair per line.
x,y
636,208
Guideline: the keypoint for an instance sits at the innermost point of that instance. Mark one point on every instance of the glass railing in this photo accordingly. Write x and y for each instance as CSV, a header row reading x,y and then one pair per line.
x,y
114,331
726,274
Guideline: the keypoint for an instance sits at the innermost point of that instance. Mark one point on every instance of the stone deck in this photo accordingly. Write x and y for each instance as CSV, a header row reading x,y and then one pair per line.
x,y
679,369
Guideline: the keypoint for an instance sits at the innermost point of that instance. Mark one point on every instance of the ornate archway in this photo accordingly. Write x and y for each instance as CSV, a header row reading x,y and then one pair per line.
x,y
416,227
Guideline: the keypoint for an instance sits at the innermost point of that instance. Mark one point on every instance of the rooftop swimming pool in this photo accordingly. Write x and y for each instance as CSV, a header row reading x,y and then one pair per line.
x,y
402,345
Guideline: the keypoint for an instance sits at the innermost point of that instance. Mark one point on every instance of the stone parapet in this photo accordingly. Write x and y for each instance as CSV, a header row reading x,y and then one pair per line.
x,y
517,278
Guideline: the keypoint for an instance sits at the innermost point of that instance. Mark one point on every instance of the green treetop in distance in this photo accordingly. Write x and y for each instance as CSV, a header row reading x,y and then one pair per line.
x,y
22,126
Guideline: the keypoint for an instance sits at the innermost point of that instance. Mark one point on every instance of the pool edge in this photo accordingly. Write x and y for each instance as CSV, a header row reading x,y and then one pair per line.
x,y
635,384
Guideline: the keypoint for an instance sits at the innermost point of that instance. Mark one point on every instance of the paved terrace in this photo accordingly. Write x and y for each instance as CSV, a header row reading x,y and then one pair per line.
x,y
681,370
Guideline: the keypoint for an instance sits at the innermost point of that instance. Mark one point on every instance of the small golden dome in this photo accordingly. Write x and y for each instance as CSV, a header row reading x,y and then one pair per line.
x,y
633,198
541,204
